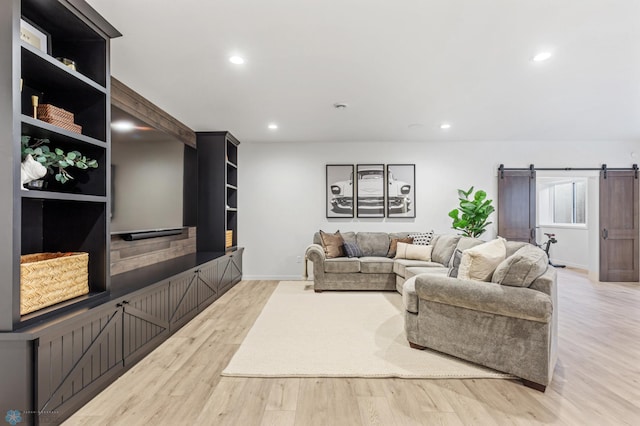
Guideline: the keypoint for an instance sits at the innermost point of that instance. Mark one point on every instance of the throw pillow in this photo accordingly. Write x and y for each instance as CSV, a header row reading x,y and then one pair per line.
x,y
479,262
394,245
522,268
455,264
332,244
422,238
413,252
352,250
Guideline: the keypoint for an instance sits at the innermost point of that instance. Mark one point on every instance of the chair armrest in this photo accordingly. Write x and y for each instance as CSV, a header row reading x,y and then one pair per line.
x,y
516,302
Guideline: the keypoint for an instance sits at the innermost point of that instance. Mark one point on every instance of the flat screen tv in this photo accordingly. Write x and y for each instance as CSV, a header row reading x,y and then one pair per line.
x,y
146,177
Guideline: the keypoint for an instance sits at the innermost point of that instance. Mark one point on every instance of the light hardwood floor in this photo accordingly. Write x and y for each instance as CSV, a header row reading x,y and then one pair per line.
x,y
596,381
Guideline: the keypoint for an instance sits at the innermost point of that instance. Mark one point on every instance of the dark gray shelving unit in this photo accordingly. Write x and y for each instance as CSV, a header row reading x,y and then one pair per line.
x,y
217,157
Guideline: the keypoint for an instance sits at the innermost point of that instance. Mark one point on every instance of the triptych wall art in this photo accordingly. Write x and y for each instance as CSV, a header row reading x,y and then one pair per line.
x,y
380,190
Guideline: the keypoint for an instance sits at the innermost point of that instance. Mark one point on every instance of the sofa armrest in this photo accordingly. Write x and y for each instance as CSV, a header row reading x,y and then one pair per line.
x,y
315,253
497,299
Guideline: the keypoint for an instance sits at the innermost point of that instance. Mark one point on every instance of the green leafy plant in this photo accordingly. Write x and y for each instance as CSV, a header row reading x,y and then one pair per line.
x,y
55,160
471,217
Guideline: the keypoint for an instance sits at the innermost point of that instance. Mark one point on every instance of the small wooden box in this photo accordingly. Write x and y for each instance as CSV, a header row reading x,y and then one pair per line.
x,y
58,117
228,239
50,278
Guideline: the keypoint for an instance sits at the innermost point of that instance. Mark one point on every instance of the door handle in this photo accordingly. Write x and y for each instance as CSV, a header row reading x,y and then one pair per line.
x,y
532,234
605,234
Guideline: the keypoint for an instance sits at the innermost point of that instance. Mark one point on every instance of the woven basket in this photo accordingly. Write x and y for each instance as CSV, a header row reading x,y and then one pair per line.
x,y
58,117
50,278
228,239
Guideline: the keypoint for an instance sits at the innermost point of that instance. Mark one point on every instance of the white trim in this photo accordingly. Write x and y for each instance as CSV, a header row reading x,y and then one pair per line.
x,y
274,278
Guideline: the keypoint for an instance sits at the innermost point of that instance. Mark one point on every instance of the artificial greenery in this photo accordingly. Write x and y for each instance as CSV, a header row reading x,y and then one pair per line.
x,y
471,217
55,160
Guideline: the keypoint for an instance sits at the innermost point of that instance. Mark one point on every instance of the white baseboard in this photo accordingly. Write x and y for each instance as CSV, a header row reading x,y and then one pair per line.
x,y
273,278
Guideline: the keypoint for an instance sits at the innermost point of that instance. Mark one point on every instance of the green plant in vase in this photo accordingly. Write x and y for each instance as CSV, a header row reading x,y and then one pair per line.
x,y
55,160
472,215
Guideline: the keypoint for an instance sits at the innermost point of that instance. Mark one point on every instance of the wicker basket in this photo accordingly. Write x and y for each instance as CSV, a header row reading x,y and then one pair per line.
x,y
58,117
228,239
50,278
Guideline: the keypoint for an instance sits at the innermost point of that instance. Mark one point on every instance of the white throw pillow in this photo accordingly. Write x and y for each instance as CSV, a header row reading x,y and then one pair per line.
x,y
479,262
422,238
413,252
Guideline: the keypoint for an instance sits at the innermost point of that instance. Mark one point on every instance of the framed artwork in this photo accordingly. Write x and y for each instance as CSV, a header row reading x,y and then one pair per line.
x,y
340,190
371,190
401,190
34,36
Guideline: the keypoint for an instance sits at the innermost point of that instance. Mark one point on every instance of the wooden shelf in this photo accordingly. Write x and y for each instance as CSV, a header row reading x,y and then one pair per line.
x,y
62,196
40,129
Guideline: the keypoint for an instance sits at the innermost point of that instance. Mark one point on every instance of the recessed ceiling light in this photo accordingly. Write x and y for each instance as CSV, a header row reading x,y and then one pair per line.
x,y
542,56
123,126
238,60
273,126
445,126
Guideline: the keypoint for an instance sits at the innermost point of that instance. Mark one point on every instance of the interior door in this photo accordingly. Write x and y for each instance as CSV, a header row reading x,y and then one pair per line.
x,y
619,228
517,205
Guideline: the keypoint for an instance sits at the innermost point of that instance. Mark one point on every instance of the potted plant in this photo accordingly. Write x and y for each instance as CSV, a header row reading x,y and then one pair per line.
x,y
55,160
472,215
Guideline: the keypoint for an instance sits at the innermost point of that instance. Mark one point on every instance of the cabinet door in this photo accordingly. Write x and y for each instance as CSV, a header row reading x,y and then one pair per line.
x,y
76,360
230,270
183,299
207,284
145,322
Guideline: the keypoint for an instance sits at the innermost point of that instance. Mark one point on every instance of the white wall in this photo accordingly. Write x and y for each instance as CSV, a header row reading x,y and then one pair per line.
x,y
281,192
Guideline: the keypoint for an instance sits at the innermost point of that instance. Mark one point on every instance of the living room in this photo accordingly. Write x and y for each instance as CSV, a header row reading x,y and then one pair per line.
x,y
450,88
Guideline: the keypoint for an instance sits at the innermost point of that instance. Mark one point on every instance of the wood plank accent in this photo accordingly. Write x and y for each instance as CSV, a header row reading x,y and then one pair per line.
x,y
595,381
517,205
135,104
130,255
619,227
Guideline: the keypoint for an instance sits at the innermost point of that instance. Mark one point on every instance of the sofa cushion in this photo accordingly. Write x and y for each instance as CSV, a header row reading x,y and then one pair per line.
x,y
521,268
399,265
514,246
414,252
479,262
393,246
376,265
352,249
443,248
412,271
342,265
348,237
373,243
409,296
332,244
422,238
466,243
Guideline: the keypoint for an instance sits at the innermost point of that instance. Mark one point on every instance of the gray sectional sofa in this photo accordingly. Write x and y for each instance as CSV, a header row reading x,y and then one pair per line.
x,y
509,325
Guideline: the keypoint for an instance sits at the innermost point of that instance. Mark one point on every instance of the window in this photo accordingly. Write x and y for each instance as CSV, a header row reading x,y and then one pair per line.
x,y
563,201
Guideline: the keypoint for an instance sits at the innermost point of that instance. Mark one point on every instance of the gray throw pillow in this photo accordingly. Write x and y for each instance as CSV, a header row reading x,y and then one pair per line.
x,y
352,250
522,268
455,264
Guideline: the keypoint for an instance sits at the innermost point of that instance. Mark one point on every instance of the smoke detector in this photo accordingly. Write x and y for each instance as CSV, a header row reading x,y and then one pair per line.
x,y
340,105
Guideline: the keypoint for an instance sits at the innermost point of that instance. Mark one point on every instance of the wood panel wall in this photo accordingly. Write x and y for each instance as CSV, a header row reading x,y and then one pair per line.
x,y
130,255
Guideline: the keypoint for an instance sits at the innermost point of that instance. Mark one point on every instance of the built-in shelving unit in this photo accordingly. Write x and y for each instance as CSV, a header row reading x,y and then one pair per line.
x,y
217,157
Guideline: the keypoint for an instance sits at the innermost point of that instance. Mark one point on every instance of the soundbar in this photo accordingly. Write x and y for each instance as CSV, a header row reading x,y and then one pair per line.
x,y
133,236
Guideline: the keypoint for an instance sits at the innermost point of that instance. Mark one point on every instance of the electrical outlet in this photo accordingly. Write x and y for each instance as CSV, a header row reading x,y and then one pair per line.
x,y
299,259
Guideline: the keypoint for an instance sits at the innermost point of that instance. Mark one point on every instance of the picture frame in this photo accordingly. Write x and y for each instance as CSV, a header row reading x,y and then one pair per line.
x,y
370,186
401,192
35,36
340,189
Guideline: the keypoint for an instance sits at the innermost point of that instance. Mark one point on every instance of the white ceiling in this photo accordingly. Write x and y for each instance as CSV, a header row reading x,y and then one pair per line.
x,y
403,67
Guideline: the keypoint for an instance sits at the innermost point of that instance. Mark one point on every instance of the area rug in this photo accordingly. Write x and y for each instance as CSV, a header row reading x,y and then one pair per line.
x,y
300,333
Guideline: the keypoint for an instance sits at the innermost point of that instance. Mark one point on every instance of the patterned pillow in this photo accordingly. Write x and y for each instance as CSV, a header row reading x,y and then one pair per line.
x,y
422,238
352,250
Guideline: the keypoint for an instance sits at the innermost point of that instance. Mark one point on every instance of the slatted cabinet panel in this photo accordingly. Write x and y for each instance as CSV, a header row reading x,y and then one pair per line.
x,y
145,322
230,270
183,299
81,357
208,284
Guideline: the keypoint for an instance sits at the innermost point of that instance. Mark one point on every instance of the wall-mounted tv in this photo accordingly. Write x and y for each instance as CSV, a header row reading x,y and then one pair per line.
x,y
146,176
